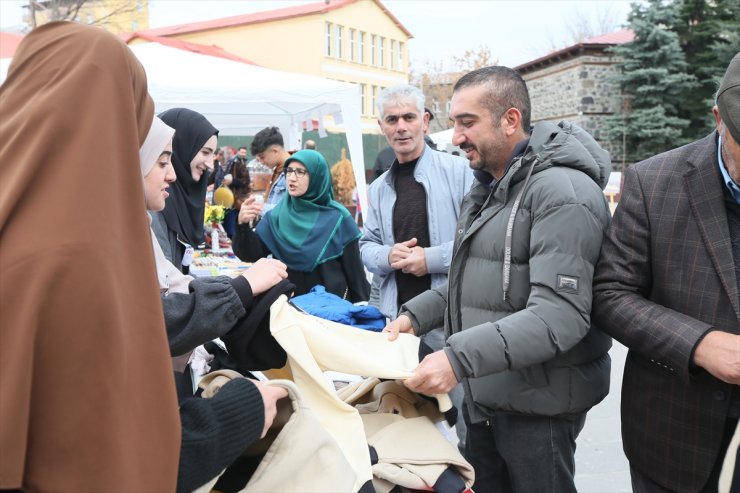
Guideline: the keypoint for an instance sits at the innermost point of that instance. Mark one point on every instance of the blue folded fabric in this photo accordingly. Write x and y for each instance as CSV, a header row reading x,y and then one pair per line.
x,y
326,305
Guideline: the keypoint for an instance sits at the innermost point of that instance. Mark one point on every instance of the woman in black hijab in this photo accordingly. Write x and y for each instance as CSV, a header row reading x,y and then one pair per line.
x,y
179,227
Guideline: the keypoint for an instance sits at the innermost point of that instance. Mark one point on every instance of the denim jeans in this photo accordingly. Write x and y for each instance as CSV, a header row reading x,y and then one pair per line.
x,y
523,454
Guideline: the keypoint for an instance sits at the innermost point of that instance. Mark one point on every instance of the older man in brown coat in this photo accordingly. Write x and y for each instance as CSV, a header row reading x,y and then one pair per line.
x,y
666,286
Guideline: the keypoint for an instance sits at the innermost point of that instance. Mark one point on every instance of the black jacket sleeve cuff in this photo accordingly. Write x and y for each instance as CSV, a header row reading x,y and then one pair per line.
x,y
243,290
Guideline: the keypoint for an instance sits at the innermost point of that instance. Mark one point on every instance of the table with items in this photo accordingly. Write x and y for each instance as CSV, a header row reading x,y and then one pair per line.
x,y
223,263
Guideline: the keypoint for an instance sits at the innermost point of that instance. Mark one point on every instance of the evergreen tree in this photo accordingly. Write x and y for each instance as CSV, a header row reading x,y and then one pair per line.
x,y
728,44
653,80
709,35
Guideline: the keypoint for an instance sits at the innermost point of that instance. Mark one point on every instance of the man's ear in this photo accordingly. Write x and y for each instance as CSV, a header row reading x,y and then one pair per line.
x,y
512,121
717,117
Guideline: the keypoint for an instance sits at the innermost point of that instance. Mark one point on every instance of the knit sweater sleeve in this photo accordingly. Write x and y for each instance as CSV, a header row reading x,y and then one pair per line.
x,y
210,310
216,431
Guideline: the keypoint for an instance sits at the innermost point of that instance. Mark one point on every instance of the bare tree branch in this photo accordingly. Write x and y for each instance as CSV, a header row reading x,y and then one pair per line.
x,y
474,59
581,26
74,9
124,8
70,10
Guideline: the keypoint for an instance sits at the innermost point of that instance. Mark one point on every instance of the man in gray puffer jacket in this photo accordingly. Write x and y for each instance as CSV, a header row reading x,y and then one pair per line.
x,y
516,309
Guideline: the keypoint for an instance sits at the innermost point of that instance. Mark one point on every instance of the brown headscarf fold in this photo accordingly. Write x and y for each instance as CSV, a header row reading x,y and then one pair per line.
x,y
87,399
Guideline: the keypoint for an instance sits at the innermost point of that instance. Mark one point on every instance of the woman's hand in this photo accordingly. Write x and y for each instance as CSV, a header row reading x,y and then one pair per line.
x,y
249,210
270,395
264,274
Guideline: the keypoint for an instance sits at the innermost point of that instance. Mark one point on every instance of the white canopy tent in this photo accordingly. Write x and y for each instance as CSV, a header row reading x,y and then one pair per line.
x,y
443,140
245,98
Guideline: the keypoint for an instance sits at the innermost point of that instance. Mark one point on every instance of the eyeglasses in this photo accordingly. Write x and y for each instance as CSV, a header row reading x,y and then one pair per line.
x,y
299,172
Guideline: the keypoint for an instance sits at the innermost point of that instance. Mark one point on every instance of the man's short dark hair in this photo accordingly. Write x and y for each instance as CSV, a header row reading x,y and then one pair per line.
x,y
266,138
243,147
506,89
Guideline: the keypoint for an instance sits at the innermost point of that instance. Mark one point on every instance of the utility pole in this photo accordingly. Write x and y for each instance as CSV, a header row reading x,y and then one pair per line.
x,y
32,10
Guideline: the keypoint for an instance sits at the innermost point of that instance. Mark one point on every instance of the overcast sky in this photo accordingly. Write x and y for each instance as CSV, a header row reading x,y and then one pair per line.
x,y
516,31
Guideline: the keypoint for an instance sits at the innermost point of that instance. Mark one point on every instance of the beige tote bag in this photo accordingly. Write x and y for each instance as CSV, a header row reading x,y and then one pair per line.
x,y
299,454
730,466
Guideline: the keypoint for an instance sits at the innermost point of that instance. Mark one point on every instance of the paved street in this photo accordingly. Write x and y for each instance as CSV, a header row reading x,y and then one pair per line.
x,y
601,466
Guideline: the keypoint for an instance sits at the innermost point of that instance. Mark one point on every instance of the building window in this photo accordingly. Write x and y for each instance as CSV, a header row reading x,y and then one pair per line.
x,y
361,47
362,99
449,103
400,56
373,41
381,58
392,54
435,105
375,98
139,6
338,34
328,39
134,25
91,19
352,35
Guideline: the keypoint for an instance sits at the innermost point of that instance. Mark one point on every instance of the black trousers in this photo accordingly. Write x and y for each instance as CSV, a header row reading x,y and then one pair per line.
x,y
641,483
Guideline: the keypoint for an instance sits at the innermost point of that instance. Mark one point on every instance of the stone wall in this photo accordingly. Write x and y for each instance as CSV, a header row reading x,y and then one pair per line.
x,y
579,89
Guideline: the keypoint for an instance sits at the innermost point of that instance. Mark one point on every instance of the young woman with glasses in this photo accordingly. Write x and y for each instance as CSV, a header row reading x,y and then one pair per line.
x,y
314,235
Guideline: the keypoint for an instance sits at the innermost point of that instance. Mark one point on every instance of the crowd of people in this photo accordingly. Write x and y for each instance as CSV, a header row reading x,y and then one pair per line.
x,y
507,264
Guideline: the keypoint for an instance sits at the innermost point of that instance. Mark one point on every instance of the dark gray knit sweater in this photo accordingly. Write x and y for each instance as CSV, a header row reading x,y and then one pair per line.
x,y
216,431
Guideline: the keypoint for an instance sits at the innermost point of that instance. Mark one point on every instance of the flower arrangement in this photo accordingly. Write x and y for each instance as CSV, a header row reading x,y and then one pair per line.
x,y
214,214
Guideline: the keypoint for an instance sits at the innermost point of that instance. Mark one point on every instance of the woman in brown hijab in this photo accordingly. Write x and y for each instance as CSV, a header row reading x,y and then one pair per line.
x,y
87,401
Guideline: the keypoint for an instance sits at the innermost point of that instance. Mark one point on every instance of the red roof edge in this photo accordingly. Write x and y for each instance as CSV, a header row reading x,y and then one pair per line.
x,y
266,16
211,50
9,43
602,41
394,18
